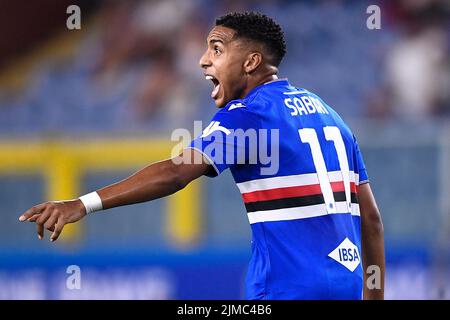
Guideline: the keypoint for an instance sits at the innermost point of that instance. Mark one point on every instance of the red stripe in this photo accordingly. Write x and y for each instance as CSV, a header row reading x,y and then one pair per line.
x,y
291,192
339,186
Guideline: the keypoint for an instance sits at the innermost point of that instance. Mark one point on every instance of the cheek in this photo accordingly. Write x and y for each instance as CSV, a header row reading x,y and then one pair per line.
x,y
236,69
234,76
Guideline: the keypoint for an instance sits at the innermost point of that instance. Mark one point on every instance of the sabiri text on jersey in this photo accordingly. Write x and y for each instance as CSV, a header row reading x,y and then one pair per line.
x,y
305,105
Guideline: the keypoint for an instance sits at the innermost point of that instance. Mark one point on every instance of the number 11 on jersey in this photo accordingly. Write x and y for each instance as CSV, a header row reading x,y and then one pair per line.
x,y
332,133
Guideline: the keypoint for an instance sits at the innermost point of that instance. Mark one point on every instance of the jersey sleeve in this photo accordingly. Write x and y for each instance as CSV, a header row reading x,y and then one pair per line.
x,y
221,142
360,166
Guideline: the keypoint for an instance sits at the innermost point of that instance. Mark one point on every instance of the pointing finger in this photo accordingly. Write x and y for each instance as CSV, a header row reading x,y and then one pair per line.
x,y
32,211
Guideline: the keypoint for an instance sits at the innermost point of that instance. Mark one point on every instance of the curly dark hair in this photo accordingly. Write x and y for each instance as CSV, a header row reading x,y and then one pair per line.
x,y
258,27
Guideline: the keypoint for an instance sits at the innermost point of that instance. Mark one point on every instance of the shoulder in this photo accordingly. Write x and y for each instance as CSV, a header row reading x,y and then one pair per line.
x,y
240,107
238,113
235,104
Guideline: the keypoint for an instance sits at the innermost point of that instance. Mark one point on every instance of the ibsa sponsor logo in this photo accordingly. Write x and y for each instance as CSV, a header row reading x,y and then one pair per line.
x,y
346,254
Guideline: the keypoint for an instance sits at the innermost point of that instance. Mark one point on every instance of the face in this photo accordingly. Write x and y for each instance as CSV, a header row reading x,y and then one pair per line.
x,y
223,64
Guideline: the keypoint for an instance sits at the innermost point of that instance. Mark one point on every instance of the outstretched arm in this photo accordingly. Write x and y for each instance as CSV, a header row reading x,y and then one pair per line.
x,y
372,242
155,181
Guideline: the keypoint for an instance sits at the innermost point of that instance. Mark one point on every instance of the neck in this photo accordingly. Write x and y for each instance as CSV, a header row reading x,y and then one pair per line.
x,y
254,81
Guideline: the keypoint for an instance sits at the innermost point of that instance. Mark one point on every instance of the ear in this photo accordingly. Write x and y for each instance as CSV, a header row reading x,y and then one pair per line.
x,y
252,62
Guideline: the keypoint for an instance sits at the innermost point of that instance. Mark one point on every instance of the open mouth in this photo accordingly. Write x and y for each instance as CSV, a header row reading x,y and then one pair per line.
x,y
216,86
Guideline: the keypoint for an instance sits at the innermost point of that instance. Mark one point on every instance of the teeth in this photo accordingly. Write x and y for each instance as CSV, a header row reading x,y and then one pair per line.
x,y
209,77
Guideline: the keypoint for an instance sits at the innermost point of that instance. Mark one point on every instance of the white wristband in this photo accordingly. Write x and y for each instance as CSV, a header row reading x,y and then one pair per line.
x,y
92,202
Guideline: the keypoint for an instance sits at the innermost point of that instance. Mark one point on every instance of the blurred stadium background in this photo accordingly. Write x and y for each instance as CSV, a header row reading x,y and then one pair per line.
x,y
80,109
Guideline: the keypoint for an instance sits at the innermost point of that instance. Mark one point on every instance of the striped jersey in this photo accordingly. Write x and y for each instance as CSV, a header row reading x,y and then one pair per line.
x,y
298,167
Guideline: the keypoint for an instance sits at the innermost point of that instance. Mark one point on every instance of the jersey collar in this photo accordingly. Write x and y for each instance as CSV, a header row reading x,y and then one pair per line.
x,y
272,83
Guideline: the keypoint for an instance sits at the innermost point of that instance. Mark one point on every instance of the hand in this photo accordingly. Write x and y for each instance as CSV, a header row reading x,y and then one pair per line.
x,y
54,215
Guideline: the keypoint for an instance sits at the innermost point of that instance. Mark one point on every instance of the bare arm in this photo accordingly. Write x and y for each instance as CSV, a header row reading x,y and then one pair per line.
x,y
372,243
157,180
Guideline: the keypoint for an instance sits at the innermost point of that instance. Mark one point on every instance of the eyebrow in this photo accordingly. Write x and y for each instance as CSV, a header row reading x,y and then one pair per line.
x,y
212,41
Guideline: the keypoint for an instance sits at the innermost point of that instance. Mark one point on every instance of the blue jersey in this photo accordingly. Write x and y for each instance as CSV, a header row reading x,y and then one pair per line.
x,y
298,168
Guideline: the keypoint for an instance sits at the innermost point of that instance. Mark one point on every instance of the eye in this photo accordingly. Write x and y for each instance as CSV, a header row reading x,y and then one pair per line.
x,y
217,51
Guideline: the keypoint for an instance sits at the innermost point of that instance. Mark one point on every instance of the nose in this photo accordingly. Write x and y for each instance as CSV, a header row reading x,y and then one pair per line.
x,y
204,60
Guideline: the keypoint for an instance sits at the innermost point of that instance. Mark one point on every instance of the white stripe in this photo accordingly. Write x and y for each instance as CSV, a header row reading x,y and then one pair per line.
x,y
355,209
276,80
287,214
295,92
298,213
341,207
291,181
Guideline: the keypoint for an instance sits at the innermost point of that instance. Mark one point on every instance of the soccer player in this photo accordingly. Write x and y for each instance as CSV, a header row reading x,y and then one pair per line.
x,y
315,224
